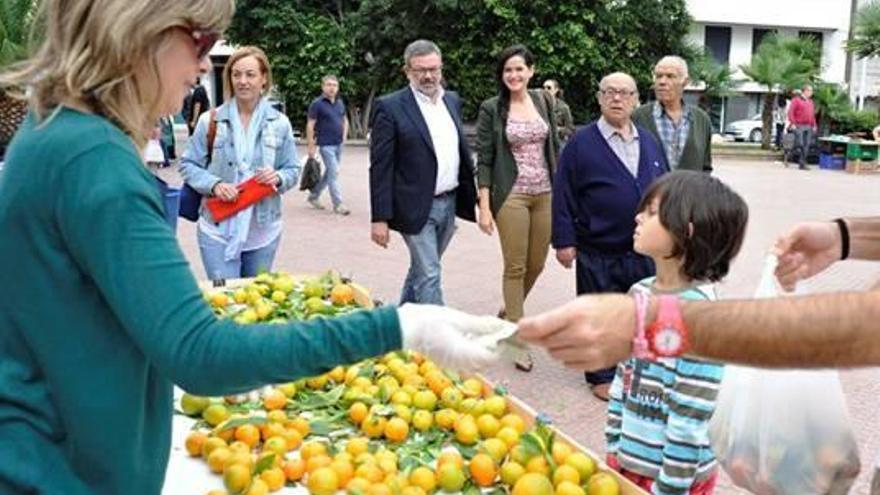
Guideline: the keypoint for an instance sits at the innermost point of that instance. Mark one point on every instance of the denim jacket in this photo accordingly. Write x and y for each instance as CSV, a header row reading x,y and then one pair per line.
x,y
275,138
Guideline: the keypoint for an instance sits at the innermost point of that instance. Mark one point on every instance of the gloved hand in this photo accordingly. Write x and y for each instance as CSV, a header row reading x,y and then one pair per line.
x,y
450,337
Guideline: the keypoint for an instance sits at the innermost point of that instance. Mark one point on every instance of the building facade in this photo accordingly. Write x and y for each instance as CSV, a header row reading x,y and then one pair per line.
x,y
732,31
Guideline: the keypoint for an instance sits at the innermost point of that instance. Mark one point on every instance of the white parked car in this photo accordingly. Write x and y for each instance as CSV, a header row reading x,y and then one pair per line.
x,y
747,129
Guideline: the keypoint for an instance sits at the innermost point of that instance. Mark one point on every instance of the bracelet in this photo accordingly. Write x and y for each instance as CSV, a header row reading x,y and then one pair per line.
x,y
844,238
640,346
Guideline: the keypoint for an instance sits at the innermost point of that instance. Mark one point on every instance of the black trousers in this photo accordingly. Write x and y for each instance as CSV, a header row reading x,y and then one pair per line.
x,y
598,273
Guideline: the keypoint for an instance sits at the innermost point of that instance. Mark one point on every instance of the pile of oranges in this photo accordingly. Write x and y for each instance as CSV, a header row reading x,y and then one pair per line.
x,y
279,297
394,425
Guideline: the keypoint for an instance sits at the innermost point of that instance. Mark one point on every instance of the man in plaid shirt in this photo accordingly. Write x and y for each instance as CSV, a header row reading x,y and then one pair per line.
x,y
683,130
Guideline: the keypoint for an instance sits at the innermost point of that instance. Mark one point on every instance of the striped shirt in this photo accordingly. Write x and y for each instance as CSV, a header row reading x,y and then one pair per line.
x,y
659,412
672,136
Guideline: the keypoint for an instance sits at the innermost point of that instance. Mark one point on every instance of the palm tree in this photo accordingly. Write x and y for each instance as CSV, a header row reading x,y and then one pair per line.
x,y
716,78
16,17
831,102
865,41
781,63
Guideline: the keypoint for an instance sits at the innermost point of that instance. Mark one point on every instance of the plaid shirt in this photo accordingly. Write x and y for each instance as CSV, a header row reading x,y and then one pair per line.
x,y
672,137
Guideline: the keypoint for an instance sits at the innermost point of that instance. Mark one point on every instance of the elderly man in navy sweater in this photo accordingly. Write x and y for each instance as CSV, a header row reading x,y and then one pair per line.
x,y
602,173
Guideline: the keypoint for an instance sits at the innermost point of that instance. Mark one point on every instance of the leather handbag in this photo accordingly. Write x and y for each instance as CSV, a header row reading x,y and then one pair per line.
x,y
190,199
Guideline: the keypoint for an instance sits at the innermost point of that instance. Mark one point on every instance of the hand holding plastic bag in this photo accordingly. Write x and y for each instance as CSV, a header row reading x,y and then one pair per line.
x,y
452,338
784,432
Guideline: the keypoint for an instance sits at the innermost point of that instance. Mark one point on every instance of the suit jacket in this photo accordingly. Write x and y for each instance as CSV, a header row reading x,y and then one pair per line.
x,y
403,165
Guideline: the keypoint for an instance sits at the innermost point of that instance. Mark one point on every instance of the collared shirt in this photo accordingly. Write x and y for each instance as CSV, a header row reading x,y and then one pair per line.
x,y
444,136
329,119
627,150
673,136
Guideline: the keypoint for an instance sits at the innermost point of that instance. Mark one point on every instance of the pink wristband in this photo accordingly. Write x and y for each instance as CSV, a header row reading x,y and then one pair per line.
x,y
640,348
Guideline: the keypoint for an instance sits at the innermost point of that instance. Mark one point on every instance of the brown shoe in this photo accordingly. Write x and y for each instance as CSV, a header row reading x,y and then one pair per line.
x,y
524,362
601,391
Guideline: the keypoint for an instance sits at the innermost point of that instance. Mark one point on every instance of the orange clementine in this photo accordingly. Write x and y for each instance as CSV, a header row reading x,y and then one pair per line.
x,y
482,469
396,430
248,434
274,399
294,469
533,484
323,481
274,478
194,443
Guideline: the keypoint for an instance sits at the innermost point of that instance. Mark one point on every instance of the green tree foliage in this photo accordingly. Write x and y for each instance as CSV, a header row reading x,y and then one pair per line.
x,y
865,41
832,104
716,79
781,63
16,17
575,41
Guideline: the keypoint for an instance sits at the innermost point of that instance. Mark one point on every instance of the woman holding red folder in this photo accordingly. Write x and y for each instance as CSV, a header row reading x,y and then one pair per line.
x,y
252,162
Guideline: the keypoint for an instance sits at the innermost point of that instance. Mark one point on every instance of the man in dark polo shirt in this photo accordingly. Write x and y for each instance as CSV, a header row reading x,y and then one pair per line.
x,y
326,129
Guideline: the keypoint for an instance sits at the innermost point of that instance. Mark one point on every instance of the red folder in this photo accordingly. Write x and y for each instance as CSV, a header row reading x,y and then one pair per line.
x,y
249,192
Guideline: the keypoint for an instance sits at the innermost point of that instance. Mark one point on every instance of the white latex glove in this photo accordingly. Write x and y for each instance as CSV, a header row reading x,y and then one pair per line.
x,y
450,337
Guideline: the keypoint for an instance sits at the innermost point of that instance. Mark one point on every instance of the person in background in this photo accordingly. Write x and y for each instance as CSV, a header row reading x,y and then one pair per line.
x,y
780,116
252,140
326,130
658,417
421,170
603,172
802,121
105,315
684,131
517,145
561,112
195,104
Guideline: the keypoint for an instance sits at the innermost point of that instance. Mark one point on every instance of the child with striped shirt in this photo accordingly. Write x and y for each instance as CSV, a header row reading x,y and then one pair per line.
x,y
692,226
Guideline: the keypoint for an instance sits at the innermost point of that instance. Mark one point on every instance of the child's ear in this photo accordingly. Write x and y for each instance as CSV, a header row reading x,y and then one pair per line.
x,y
690,229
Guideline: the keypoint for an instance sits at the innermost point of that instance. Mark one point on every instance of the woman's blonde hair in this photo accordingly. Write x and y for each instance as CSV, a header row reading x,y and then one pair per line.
x,y
91,51
246,51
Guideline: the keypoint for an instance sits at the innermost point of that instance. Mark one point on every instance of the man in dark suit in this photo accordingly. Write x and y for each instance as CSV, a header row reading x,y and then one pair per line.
x,y
421,170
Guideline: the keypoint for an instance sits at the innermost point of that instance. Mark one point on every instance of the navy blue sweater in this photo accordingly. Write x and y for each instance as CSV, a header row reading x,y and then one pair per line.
x,y
594,195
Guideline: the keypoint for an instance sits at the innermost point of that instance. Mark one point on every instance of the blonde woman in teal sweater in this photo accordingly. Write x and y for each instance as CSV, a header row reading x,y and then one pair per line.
x,y
99,311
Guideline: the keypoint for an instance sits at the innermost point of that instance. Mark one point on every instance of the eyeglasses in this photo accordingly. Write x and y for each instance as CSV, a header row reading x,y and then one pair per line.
x,y
424,71
548,87
203,39
612,92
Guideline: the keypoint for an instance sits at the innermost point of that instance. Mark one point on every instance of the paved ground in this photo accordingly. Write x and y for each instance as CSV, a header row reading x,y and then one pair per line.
x,y
317,240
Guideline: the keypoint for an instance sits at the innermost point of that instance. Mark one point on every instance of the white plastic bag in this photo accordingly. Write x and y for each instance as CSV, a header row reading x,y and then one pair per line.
x,y
784,432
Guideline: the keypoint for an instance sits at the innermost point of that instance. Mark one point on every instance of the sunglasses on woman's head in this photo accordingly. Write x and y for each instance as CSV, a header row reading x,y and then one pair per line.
x,y
204,40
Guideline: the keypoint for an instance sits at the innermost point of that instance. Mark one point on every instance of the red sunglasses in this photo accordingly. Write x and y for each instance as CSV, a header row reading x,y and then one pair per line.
x,y
203,39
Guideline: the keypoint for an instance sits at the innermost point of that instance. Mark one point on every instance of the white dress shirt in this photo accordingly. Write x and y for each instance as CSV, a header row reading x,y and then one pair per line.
x,y
444,136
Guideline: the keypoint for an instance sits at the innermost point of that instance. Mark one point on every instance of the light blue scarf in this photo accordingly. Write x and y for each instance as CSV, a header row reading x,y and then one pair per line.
x,y
245,142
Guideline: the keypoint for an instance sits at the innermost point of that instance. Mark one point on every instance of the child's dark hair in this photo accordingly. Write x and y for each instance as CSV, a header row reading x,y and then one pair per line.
x,y
706,219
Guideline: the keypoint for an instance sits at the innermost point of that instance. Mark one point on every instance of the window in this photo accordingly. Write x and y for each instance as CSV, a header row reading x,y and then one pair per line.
x,y
758,35
817,37
717,43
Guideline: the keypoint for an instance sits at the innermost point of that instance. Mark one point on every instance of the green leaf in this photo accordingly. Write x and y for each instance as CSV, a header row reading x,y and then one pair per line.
x,y
264,464
532,444
235,423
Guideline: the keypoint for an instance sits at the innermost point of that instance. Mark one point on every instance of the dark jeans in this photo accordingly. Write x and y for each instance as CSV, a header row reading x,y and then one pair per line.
x,y
777,138
598,273
803,139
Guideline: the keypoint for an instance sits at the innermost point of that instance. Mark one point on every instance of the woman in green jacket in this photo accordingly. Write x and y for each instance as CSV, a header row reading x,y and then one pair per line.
x,y
99,311
516,158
